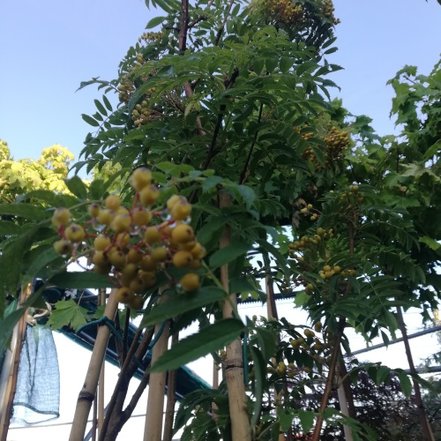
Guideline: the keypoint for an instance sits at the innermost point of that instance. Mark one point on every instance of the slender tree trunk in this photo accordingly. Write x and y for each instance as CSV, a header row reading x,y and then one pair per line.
x,y
87,394
425,425
328,388
155,400
115,415
240,422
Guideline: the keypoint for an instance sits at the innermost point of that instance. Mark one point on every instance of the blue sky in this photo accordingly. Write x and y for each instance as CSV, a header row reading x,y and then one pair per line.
x,y
48,47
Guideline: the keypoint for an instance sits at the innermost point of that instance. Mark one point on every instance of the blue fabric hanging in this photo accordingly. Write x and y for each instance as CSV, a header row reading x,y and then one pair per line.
x,y
37,396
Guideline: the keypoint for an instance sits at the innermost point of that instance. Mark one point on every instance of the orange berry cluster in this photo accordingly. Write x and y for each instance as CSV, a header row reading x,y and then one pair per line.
x,y
134,244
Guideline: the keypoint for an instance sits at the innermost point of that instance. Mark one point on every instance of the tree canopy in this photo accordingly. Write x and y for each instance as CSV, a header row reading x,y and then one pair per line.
x,y
228,104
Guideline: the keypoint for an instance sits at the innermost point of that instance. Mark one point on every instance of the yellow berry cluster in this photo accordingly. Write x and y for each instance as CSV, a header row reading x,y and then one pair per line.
x,y
308,210
328,271
337,140
285,11
134,244
310,241
125,89
143,113
148,37
328,11
351,196
311,344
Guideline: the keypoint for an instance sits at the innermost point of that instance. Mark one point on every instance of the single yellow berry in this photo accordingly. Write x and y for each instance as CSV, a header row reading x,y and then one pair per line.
x,y
75,233
123,295
99,258
116,257
128,273
136,302
60,217
137,285
159,254
120,223
182,233
182,259
134,256
148,195
180,210
93,210
122,240
148,264
309,333
152,235
190,282
148,278
63,247
172,201
112,202
141,177
198,251
101,242
104,216
141,216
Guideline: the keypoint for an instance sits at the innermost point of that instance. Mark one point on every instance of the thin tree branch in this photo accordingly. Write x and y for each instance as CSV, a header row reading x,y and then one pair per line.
x,y
245,171
212,151
220,31
328,387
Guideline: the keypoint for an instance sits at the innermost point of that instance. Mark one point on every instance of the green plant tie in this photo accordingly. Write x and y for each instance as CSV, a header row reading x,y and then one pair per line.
x,y
101,322
157,336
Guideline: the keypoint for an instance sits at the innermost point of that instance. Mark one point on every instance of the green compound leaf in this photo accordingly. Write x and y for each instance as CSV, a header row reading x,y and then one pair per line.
x,y
209,339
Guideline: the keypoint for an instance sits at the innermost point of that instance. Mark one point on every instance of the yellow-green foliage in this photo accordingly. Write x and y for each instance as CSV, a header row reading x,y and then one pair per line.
x,y
24,175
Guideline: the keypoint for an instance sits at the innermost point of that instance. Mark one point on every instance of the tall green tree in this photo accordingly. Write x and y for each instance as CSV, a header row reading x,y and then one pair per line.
x,y
228,103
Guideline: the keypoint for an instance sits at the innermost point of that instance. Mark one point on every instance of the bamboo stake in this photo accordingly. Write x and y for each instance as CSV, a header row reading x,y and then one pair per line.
x,y
425,424
345,397
271,307
17,340
101,398
155,400
87,394
240,422
171,400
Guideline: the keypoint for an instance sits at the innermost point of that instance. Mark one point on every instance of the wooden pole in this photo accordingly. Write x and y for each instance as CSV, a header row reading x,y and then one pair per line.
x,y
171,399
237,399
87,394
425,424
100,395
345,397
13,360
155,400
